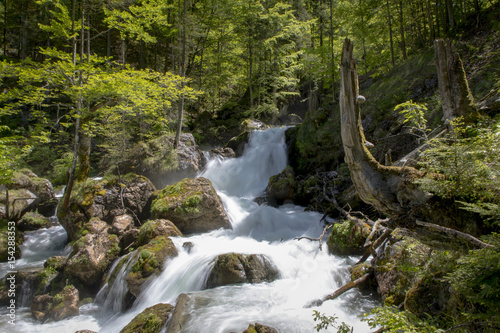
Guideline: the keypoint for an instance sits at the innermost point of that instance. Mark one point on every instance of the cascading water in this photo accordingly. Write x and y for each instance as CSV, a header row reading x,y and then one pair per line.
x,y
306,273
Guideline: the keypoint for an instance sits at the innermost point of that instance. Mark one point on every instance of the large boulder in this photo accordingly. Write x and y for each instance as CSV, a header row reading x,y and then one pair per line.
x,y
234,268
106,199
258,328
64,305
149,262
192,205
348,238
282,188
151,320
154,228
33,221
93,253
27,184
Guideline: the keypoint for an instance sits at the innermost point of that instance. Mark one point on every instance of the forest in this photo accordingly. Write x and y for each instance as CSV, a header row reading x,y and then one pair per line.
x,y
389,111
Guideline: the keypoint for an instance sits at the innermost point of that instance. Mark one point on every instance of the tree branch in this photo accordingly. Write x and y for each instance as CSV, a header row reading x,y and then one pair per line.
x,y
469,238
319,239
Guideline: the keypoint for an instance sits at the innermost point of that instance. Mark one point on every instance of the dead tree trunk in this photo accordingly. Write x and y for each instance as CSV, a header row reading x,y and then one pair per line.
x,y
456,96
388,189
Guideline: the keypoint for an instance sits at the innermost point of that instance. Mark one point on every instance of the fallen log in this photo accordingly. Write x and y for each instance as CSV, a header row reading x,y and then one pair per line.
x,y
340,291
454,233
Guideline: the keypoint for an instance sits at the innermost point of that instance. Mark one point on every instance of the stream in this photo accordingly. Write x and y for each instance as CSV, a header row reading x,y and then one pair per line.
x,y
306,273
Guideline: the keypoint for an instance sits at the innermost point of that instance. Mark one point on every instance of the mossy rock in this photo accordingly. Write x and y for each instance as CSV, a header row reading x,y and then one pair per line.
x,y
192,205
258,328
33,221
149,262
282,187
347,238
235,268
154,228
63,305
151,320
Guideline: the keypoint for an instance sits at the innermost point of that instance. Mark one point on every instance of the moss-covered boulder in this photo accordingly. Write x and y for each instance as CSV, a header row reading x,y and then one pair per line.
x,y
234,268
149,262
282,188
33,221
64,305
151,320
192,205
347,238
93,253
20,201
26,182
258,328
103,199
154,228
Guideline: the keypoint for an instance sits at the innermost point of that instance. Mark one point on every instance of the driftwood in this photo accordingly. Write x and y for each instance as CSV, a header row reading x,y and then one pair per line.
x,y
319,239
469,238
340,291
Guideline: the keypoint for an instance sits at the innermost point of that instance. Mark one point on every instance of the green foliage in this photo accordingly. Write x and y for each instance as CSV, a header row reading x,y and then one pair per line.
x,y
414,116
395,321
465,166
477,279
325,321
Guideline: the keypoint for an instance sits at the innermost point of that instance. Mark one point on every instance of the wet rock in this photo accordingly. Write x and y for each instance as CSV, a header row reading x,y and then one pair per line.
x,y
22,283
103,199
92,254
282,188
347,238
151,320
122,224
33,221
57,263
180,315
192,205
234,268
149,262
27,184
154,228
237,144
225,152
62,306
258,328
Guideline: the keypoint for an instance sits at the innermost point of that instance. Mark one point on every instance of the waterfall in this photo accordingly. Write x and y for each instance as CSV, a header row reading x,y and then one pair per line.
x,y
306,273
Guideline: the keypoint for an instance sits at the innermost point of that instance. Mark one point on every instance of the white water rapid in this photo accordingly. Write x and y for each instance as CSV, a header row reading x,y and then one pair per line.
x,y
306,273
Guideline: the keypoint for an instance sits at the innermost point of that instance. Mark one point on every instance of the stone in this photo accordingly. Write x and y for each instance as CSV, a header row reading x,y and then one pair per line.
x,y
149,262
92,255
258,328
121,224
192,205
154,228
33,221
180,315
225,152
103,199
348,238
234,268
151,320
282,188
64,305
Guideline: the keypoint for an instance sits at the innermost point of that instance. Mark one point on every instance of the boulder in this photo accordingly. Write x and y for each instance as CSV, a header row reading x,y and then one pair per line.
x,y
44,202
149,262
180,315
93,253
23,282
282,188
233,268
151,320
348,238
20,201
61,306
225,152
122,224
154,228
258,328
103,199
192,205
33,221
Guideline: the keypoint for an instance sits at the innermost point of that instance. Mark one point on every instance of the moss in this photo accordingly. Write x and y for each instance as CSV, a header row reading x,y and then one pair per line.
x,y
181,197
347,238
151,320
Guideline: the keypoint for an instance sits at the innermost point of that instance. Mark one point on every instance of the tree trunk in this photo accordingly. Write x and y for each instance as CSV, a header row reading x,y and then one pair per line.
x,y
390,33
402,30
456,96
383,187
83,156
182,73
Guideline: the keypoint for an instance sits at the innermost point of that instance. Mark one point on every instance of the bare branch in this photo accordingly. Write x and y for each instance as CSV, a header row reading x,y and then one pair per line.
x,y
471,239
